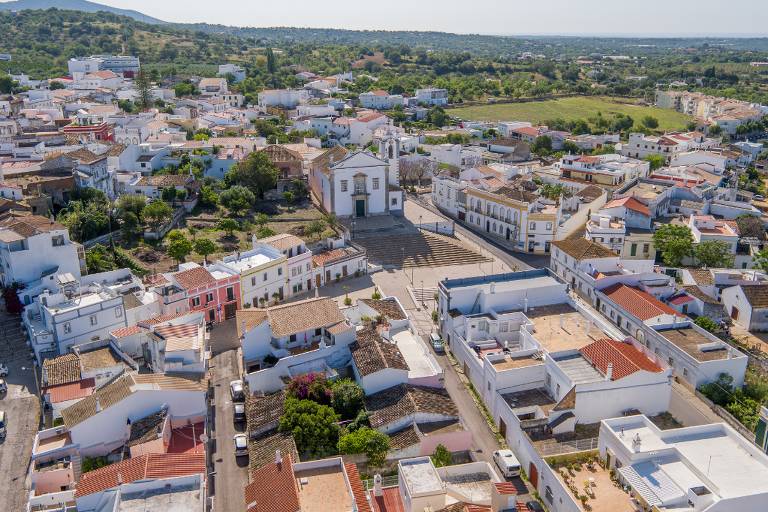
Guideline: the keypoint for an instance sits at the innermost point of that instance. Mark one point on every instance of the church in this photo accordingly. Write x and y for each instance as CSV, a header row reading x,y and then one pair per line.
x,y
358,184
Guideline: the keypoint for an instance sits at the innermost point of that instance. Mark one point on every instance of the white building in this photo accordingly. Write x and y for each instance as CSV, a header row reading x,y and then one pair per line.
x,y
283,98
232,69
262,271
747,306
380,100
706,228
33,249
300,272
431,96
707,468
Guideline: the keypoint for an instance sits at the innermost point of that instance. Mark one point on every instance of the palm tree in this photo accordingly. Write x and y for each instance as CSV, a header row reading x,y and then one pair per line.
x,y
276,297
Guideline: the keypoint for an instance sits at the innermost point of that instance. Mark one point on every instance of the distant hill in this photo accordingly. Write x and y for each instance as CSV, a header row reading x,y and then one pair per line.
x,y
76,5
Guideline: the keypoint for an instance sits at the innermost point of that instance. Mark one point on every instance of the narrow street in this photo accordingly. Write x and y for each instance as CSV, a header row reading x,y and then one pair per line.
x,y
230,475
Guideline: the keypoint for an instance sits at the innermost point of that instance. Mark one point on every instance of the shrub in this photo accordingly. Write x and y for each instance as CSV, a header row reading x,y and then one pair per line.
x,y
313,426
310,386
347,399
441,457
366,440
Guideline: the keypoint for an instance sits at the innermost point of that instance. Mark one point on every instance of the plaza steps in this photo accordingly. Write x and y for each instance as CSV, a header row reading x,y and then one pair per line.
x,y
418,250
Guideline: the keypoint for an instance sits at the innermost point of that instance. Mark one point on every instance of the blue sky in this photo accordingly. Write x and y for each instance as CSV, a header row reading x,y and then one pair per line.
x,y
591,17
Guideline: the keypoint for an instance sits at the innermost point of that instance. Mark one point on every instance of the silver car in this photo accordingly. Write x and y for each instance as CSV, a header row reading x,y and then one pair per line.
x,y
241,445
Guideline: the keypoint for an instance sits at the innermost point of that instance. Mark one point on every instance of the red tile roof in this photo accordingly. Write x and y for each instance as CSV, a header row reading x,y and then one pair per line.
x,y
505,488
527,130
273,488
194,278
624,357
126,331
358,491
637,302
149,466
389,501
71,391
629,203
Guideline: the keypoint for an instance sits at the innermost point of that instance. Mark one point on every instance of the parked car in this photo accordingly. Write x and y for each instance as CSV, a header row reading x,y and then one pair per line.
x,y
3,370
507,463
2,425
241,445
3,386
239,415
437,343
237,391
534,506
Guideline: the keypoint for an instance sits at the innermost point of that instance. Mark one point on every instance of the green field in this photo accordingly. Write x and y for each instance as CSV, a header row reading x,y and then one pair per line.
x,y
570,109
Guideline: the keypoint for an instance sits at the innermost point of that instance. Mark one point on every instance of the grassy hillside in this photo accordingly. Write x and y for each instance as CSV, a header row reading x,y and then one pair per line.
x,y
571,109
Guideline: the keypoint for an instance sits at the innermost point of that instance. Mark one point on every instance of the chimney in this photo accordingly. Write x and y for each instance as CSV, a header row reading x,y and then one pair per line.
x,y
562,321
525,304
493,288
609,372
377,490
636,443
278,457
119,478
98,404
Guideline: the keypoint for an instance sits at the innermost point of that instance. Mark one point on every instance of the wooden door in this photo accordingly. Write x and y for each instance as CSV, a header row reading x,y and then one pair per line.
x,y
533,474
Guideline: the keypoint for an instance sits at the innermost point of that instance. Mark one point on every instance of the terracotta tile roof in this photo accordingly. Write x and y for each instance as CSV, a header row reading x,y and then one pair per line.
x,y
247,319
273,488
624,357
261,450
405,400
71,391
30,225
629,203
389,501
388,308
194,278
161,318
283,241
327,257
303,315
85,156
757,295
261,411
149,466
404,438
105,397
372,354
178,382
637,302
62,370
516,194
505,488
694,291
358,491
581,248
126,331
100,358
701,276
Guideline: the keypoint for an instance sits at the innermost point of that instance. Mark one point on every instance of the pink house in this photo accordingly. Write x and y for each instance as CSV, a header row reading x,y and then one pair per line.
x,y
210,289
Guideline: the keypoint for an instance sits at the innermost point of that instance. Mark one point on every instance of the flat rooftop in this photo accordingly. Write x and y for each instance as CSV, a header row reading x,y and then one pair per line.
x,y
53,443
608,497
578,369
502,282
420,476
181,500
510,363
690,453
322,489
251,259
416,354
529,398
692,341
575,333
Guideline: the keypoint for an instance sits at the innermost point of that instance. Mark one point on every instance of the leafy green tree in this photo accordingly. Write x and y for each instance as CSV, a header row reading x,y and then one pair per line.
x,y
265,232
437,116
256,172
441,456
289,197
719,391
185,88
157,213
571,148
208,196
347,398
706,323
656,161
143,86
314,427
553,192
228,225
371,442
542,145
168,194
85,220
650,122
7,84
261,219
760,260
237,199
179,246
131,203
129,226
674,242
713,254
205,247
98,259
55,85
715,130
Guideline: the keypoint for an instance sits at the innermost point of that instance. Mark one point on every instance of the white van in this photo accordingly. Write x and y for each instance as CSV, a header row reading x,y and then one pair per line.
x,y
507,463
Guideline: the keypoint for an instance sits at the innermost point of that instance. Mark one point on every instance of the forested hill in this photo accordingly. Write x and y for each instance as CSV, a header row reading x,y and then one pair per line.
x,y
76,5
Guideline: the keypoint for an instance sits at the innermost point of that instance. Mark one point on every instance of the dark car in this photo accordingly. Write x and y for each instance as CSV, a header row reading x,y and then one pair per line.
x,y
239,415
534,506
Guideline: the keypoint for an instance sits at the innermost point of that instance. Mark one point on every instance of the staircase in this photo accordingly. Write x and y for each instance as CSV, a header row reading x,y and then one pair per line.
x,y
418,250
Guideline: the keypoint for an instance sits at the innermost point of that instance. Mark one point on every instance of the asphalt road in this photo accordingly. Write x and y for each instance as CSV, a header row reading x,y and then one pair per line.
x,y
230,474
22,408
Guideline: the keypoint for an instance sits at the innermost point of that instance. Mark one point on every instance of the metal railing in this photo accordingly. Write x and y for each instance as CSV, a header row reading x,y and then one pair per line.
x,y
386,481
563,447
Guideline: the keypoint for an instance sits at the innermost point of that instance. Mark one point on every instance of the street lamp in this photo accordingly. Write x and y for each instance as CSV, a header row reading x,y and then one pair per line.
x,y
422,294
419,222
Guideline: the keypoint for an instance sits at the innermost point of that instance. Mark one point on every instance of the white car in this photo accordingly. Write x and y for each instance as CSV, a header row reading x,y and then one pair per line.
x,y
3,386
237,391
241,445
3,370
507,463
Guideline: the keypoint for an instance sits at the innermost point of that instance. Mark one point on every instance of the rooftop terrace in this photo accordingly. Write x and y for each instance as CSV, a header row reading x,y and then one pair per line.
x,y
696,344
323,488
561,327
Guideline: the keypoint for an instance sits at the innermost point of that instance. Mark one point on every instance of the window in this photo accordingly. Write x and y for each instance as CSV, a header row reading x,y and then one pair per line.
x,y
549,380
208,297
94,320
67,328
253,281
265,276
118,312
685,372
549,226
503,327
646,248
532,225
633,250
375,183
344,184
230,293
394,201
558,391
57,241
279,271
292,338
195,301
308,268
671,362
318,331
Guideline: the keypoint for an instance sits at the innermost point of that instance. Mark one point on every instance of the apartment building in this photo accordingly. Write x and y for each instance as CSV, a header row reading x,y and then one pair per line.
x,y
262,271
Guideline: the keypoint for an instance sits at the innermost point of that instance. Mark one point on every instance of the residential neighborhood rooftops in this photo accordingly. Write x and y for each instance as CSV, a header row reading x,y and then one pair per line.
x,y
71,391
623,358
194,278
629,203
580,248
561,327
295,317
261,411
388,308
696,344
404,400
261,450
638,303
372,354
273,488
282,241
62,370
757,295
